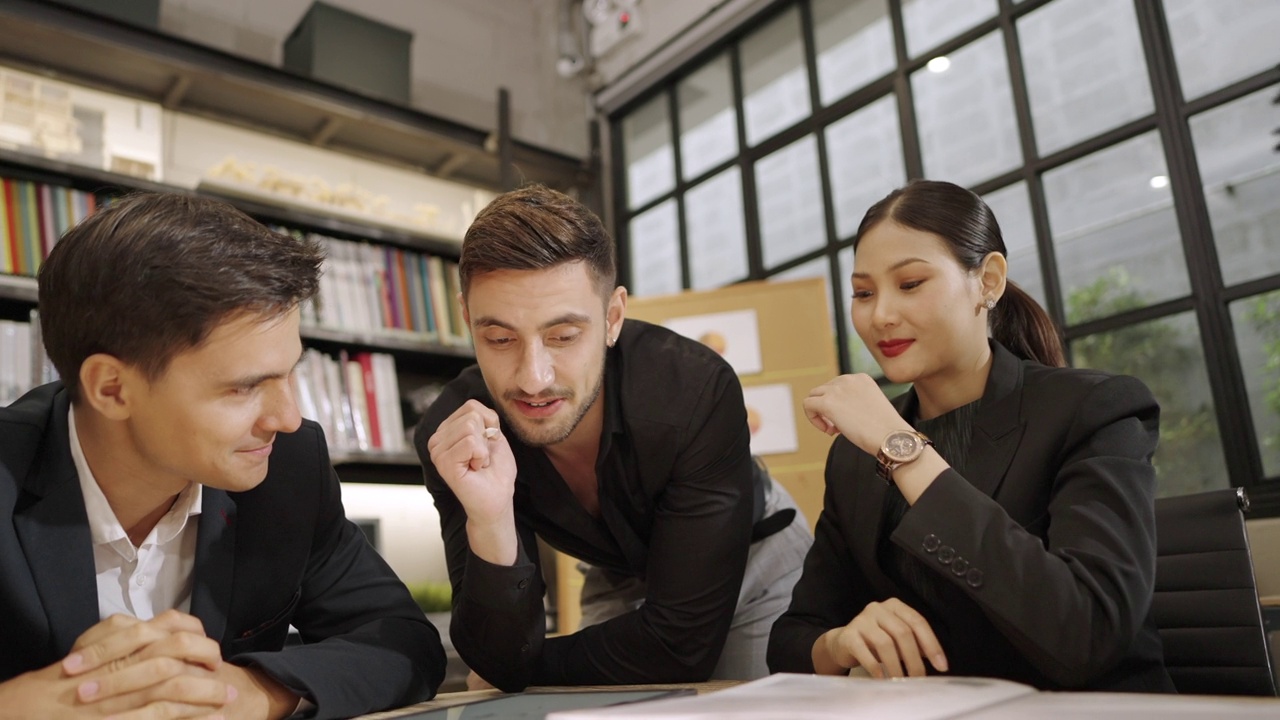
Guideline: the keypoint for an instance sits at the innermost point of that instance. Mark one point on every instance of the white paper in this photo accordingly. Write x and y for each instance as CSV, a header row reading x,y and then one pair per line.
x,y
814,697
735,335
1130,706
771,416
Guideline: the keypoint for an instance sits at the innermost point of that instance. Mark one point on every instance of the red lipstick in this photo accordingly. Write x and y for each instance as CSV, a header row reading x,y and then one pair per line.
x,y
894,348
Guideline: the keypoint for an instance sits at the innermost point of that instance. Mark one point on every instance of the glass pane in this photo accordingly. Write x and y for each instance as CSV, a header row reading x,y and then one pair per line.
x,y
1165,354
864,157
965,115
651,161
1012,208
789,194
1257,324
1241,174
708,120
1114,232
854,45
815,268
775,81
860,357
654,237
1217,43
1085,69
931,22
717,231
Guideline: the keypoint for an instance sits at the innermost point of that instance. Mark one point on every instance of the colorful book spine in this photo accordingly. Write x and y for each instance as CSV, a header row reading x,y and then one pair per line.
x,y
370,397
6,233
33,217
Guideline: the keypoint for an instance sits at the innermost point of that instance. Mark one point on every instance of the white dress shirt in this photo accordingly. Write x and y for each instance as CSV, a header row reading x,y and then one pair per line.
x,y
155,576
146,580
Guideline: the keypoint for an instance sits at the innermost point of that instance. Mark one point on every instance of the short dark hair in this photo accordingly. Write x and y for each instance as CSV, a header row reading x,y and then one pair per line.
x,y
534,228
968,226
152,274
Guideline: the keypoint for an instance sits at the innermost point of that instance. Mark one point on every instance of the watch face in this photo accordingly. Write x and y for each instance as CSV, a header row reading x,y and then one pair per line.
x,y
902,446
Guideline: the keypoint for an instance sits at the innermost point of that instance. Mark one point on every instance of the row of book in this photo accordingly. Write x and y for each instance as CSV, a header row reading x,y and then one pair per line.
x,y
23,363
33,215
377,288
364,288
355,398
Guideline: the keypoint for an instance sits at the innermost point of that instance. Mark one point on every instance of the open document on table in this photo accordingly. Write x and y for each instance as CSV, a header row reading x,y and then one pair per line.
x,y
812,697
815,697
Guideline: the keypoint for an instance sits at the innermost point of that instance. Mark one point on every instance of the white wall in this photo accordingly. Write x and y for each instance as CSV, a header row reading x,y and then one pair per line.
x,y
408,527
462,52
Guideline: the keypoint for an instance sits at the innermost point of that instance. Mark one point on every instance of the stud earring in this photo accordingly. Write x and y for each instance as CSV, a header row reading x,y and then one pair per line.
x,y
990,304
610,341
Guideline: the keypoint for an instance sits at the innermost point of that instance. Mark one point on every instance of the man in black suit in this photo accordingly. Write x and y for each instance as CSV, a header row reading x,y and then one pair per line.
x,y
165,513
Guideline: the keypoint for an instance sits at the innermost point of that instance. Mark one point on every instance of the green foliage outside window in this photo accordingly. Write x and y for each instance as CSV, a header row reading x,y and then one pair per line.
x,y
432,597
1264,315
1189,458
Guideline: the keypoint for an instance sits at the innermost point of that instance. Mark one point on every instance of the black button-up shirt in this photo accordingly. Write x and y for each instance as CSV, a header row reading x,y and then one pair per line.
x,y
675,484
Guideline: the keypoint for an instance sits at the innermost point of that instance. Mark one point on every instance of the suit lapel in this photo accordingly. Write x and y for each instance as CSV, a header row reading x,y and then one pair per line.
x,y
998,425
215,558
54,533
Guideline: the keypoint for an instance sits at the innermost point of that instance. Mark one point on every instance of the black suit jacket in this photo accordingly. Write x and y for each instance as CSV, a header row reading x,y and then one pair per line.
x,y
280,554
1044,541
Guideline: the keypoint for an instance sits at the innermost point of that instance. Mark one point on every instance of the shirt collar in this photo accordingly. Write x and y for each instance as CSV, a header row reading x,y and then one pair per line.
x,y
104,527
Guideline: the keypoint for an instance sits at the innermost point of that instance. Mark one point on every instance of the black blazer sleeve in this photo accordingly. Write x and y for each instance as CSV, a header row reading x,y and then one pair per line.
x,y
367,644
832,588
1073,602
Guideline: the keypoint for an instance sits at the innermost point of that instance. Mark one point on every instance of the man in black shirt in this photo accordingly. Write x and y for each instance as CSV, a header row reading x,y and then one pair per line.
x,y
625,446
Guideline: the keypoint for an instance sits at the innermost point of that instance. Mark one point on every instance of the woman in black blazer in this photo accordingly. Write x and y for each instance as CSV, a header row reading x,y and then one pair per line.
x,y
995,520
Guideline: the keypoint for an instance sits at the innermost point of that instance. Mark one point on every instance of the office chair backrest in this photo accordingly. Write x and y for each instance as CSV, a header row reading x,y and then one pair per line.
x,y
1206,598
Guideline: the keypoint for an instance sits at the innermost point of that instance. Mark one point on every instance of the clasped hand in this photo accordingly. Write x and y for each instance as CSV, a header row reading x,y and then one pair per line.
x,y
125,668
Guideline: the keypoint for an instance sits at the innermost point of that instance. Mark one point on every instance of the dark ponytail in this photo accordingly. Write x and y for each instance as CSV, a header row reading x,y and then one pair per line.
x,y
970,229
1020,324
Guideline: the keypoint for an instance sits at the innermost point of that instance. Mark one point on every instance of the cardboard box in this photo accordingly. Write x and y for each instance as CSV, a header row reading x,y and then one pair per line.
x,y
352,51
143,13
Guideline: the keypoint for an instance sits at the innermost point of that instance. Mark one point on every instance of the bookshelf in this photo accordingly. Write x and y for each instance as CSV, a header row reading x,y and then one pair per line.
x,y
418,358
18,288
194,84
185,76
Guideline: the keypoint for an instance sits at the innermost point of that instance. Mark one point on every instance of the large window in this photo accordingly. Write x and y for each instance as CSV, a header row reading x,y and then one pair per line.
x,y
1129,149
